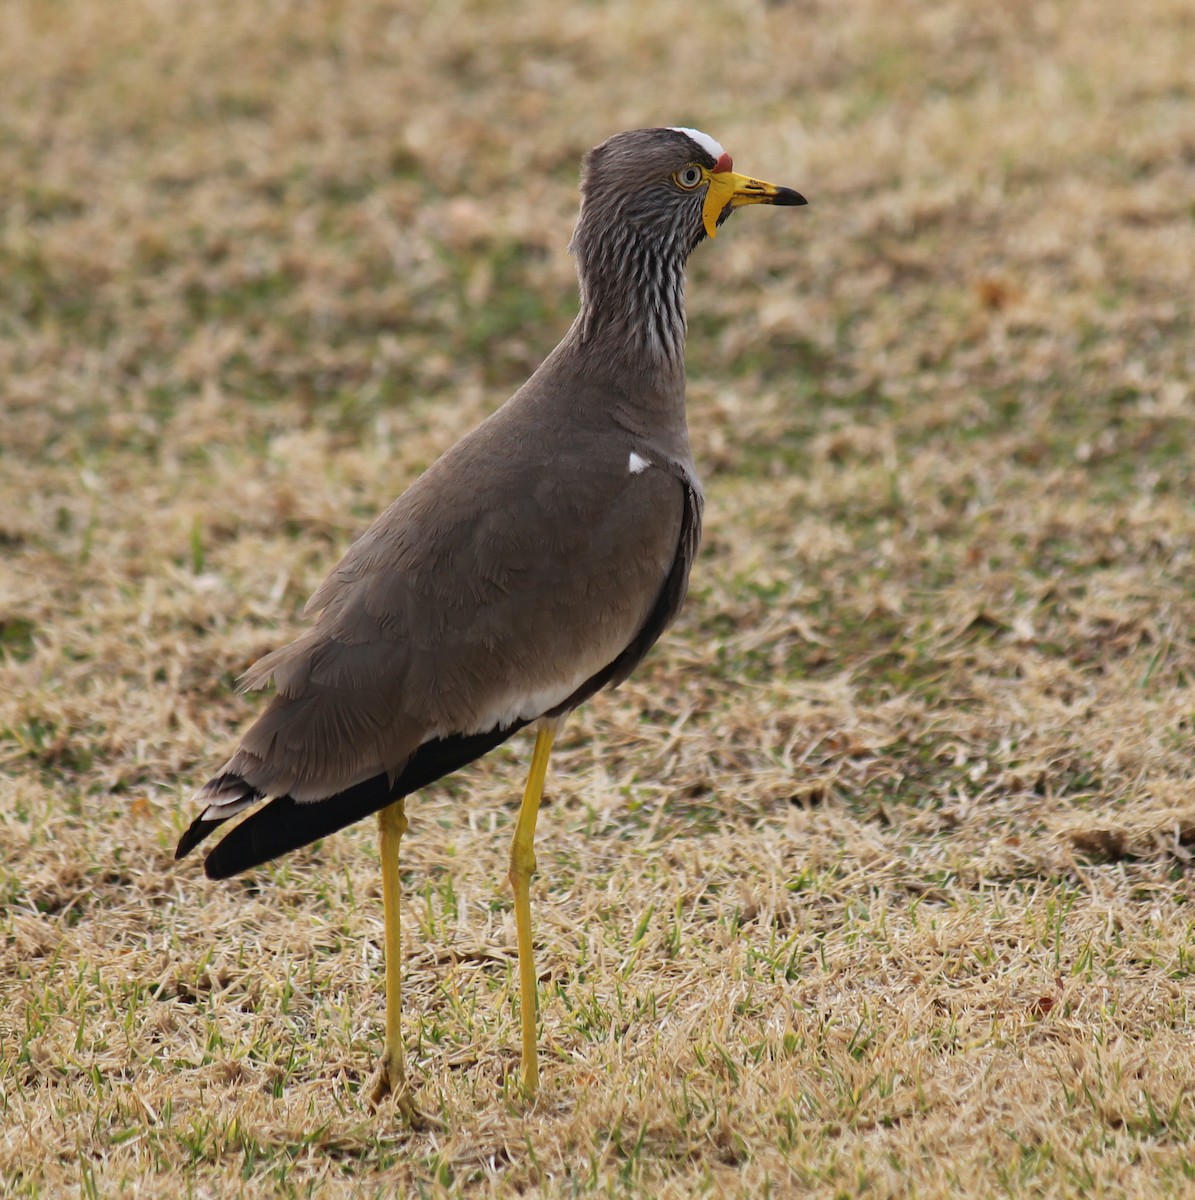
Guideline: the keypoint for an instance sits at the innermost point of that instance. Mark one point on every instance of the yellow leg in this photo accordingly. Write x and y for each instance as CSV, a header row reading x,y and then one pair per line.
x,y
392,1078
522,867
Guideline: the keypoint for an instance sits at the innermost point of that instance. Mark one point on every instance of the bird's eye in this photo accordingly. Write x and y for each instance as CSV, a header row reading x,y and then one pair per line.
x,y
688,177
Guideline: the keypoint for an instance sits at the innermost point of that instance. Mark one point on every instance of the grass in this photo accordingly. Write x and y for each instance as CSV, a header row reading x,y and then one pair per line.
x,y
876,877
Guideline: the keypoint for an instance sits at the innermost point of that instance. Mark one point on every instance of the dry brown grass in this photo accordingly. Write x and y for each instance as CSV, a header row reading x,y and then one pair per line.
x,y
876,878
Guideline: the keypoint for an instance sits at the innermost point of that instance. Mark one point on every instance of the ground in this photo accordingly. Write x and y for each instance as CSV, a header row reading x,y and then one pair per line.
x,y
876,877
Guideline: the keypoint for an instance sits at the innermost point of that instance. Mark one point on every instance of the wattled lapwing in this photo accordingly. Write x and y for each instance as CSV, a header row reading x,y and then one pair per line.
x,y
533,564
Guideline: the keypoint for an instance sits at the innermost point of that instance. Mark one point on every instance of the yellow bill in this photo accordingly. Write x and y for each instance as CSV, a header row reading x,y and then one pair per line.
x,y
728,189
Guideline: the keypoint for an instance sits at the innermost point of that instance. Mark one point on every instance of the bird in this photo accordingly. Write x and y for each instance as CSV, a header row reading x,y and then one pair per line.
x,y
533,564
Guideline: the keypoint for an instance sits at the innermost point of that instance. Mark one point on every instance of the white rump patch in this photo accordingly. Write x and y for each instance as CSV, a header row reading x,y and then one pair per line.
x,y
228,808
636,463
707,143
226,795
524,706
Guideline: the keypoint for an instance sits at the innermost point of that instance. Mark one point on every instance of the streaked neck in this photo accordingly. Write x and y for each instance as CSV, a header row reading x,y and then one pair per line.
x,y
633,294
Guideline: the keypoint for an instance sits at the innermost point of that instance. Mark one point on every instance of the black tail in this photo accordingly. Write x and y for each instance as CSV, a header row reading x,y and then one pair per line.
x,y
196,832
285,824
226,795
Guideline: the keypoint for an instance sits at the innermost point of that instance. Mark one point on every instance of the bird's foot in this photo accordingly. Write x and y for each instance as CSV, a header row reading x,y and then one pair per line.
x,y
393,1085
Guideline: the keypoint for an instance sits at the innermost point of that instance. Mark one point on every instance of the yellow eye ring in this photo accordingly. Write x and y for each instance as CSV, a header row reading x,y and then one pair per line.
x,y
688,177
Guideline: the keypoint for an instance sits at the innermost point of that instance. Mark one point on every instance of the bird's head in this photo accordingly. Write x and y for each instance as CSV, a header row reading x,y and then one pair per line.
x,y
671,186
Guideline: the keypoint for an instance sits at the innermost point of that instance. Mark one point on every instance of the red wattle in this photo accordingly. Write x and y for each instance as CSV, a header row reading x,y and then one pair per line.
x,y
725,163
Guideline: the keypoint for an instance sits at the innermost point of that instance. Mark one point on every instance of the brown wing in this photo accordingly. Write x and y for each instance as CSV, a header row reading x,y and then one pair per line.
x,y
667,607
285,824
466,608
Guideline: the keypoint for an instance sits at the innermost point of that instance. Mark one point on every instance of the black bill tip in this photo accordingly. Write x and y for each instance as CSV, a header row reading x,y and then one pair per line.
x,y
787,197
